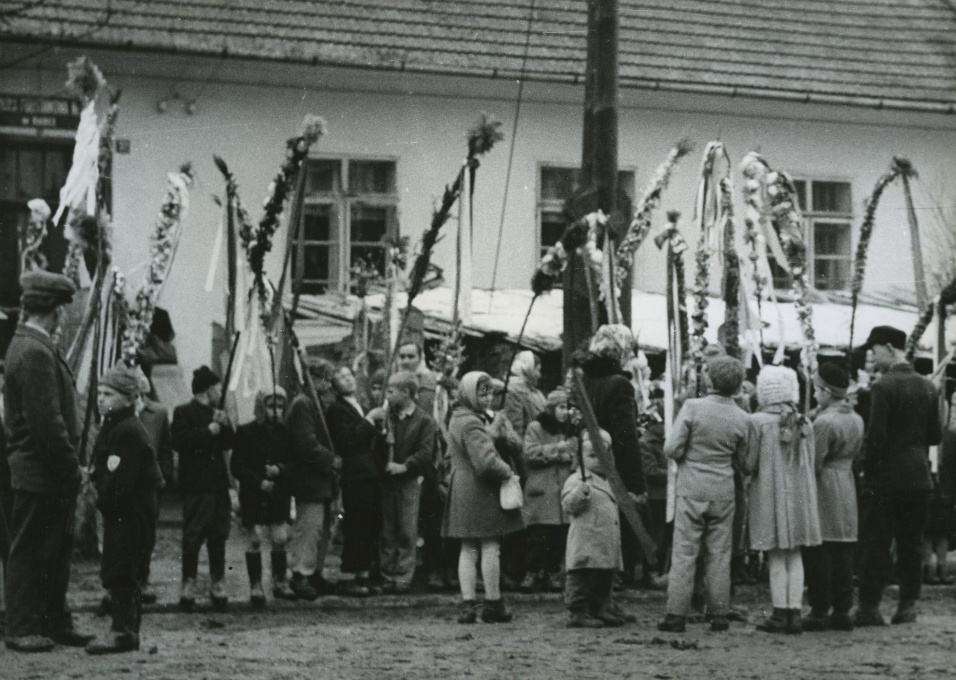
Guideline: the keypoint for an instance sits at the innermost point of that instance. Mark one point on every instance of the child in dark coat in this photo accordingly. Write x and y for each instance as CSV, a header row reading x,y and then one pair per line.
x,y
124,474
261,462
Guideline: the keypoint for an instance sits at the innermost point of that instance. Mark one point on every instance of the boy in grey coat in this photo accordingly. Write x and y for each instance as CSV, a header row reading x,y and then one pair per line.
x,y
709,435
593,553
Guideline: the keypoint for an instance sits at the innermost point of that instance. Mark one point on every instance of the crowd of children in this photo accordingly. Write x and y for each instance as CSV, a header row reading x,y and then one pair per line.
x,y
411,457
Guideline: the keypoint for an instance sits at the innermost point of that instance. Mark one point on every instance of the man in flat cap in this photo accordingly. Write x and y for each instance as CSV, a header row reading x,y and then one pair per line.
x,y
903,424
43,432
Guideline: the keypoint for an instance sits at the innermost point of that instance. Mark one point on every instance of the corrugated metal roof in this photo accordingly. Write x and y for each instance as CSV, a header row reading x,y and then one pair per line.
x,y
899,52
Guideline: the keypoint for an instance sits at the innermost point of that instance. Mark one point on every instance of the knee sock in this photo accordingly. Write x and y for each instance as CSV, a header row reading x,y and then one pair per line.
x,y
468,570
491,568
794,579
777,562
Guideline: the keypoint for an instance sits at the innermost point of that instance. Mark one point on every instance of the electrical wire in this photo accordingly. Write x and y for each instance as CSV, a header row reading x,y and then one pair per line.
x,y
511,151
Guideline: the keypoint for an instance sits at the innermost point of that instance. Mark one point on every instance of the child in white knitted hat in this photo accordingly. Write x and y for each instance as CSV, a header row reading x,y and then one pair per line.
x,y
783,493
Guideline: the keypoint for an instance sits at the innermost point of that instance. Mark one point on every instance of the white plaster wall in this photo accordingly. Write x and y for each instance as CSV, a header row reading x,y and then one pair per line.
x,y
245,111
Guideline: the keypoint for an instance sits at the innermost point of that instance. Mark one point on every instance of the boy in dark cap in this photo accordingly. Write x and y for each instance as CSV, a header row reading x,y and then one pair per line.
x,y
202,434
43,431
903,424
838,435
125,475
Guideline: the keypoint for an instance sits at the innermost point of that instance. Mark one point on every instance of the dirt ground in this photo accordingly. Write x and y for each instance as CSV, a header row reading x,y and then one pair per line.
x,y
417,637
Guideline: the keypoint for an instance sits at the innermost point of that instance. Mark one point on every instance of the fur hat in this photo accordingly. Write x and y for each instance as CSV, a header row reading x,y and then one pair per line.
x,y
123,379
203,379
726,374
833,379
777,385
886,335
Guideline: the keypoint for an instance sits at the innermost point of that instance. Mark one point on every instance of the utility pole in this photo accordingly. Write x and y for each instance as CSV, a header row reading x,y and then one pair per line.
x,y
598,186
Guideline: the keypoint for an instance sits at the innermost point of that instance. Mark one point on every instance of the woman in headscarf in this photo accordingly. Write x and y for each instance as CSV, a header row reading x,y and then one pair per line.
x,y
473,512
549,449
611,392
524,401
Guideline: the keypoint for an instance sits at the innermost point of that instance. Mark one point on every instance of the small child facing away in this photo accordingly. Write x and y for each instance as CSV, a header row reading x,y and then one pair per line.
x,y
125,476
593,553
709,436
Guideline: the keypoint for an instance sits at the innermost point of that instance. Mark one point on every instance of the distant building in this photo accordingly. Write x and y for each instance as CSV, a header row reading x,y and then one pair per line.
x,y
828,91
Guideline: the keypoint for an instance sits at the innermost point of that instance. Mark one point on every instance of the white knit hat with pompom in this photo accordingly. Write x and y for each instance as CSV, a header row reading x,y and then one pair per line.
x,y
777,385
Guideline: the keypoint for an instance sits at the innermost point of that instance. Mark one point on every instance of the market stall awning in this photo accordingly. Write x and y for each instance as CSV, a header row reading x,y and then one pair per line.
x,y
502,313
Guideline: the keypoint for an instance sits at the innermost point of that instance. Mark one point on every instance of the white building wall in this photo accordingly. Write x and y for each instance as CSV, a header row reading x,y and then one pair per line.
x,y
246,110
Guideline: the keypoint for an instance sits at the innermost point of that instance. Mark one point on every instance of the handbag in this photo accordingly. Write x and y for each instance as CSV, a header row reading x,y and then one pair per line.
x,y
509,495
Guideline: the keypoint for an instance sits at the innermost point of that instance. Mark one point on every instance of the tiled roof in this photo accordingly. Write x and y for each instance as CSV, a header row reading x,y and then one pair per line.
x,y
899,53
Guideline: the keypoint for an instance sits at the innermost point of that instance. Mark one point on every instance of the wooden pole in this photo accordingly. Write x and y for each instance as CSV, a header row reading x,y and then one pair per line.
x,y
598,159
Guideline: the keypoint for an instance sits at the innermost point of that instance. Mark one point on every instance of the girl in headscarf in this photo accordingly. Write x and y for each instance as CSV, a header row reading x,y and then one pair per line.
x,y
783,493
262,464
549,449
473,512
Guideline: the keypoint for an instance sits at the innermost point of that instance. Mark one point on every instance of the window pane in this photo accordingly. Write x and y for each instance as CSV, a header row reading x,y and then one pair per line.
x,y
371,177
831,238
552,227
317,262
832,197
318,223
801,187
323,177
373,256
370,224
831,274
29,173
558,183
8,172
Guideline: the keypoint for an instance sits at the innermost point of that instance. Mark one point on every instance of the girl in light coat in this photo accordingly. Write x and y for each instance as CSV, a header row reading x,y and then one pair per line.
x,y
783,493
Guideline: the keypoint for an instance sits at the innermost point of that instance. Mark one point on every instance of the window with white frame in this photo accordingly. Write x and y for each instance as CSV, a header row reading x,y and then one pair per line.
x,y
827,208
555,186
349,209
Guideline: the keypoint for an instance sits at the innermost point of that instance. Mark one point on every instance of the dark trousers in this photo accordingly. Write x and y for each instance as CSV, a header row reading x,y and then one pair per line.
x,y
630,548
431,508
38,570
150,544
361,524
588,591
888,517
656,522
514,562
545,547
206,520
828,571
126,607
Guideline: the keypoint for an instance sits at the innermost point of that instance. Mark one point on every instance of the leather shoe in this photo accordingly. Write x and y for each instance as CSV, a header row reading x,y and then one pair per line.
x,y
816,621
584,620
68,637
841,621
30,643
905,614
673,623
868,616
114,643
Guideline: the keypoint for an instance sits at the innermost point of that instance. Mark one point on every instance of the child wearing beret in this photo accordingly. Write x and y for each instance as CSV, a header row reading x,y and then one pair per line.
x,y
125,477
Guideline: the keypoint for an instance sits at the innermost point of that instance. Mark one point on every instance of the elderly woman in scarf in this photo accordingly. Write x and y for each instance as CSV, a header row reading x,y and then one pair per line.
x,y
611,392
524,401
473,512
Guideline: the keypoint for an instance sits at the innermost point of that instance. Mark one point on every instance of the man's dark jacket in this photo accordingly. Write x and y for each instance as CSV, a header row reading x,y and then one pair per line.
x,y
903,424
612,396
202,461
40,417
313,475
